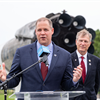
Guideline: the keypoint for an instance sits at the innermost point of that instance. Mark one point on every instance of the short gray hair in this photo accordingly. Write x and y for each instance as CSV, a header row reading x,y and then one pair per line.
x,y
83,33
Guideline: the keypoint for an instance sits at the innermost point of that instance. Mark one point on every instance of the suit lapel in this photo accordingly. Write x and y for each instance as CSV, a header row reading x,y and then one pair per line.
x,y
33,54
55,57
75,61
89,63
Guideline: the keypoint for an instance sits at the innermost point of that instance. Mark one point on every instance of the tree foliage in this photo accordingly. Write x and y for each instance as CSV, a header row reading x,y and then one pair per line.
x,y
96,44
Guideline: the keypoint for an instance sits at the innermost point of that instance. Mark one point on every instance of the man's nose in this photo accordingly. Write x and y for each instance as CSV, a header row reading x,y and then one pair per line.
x,y
42,32
83,42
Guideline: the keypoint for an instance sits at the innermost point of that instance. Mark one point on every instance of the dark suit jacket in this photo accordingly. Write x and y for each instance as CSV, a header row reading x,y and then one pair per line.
x,y
92,80
59,74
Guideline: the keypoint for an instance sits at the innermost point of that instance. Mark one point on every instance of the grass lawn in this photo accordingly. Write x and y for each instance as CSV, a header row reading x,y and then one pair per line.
x,y
9,92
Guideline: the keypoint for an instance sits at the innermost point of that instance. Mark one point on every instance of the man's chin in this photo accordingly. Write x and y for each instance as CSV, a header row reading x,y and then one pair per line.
x,y
82,52
43,43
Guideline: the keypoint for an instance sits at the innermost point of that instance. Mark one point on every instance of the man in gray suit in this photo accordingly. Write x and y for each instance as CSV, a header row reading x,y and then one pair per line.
x,y
90,79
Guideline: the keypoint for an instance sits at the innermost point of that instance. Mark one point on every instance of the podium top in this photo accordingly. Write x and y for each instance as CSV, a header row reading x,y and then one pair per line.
x,y
47,94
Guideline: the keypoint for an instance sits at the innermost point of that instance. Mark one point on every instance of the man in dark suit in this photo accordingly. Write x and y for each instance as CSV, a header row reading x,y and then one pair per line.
x,y
59,74
90,80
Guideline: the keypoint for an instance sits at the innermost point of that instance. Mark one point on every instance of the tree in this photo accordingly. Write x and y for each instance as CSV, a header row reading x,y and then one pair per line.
x,y
96,44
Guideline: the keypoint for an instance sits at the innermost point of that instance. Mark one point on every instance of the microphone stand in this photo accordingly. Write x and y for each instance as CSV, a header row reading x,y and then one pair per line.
x,y
3,85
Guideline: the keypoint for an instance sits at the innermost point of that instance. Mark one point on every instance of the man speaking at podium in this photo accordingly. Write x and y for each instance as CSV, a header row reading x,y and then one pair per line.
x,y
58,73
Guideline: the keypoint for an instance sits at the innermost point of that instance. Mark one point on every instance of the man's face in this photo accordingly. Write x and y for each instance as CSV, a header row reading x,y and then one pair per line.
x,y
44,33
83,44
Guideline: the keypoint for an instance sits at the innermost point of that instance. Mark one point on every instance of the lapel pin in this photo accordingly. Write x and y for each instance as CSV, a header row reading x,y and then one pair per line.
x,y
75,59
55,55
89,63
89,60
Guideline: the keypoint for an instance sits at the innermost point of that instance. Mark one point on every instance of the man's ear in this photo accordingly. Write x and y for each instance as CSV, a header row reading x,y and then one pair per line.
x,y
75,41
35,31
52,31
90,43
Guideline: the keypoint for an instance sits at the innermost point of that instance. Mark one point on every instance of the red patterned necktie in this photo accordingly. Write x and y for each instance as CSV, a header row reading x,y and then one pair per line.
x,y
83,67
44,70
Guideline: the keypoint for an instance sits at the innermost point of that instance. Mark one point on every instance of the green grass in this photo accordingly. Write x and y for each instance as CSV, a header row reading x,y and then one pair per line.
x,y
9,92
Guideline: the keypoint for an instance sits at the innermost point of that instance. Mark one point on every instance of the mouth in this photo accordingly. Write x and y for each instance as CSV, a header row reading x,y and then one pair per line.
x,y
82,47
42,37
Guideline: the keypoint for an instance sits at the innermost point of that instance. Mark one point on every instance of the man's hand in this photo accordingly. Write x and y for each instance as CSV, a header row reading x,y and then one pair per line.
x,y
77,73
3,73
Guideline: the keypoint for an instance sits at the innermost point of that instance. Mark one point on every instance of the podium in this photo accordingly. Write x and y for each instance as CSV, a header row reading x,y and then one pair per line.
x,y
46,95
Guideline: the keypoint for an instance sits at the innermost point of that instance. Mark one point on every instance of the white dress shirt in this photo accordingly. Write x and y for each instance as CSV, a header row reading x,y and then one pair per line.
x,y
85,59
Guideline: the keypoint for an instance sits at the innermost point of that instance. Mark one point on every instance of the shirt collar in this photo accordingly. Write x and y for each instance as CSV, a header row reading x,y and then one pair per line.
x,y
50,46
79,55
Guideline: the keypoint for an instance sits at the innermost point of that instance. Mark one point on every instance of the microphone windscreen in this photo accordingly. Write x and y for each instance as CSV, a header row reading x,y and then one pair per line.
x,y
43,50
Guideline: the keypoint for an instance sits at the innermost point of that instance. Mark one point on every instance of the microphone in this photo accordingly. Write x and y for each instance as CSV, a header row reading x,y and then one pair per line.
x,y
43,51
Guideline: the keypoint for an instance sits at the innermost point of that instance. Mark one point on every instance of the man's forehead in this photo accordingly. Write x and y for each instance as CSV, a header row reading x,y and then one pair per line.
x,y
83,38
